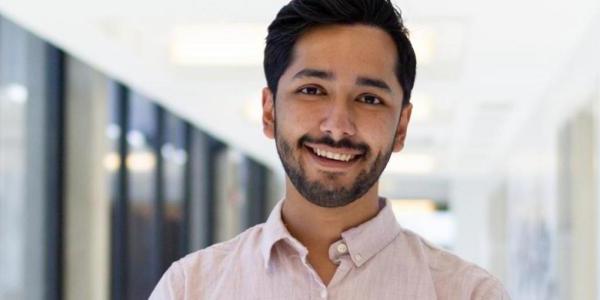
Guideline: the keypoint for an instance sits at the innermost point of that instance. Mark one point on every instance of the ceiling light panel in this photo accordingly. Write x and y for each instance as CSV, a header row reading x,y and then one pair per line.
x,y
411,163
227,44
439,45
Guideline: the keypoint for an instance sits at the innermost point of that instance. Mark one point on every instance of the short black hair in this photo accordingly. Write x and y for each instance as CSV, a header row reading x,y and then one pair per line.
x,y
300,15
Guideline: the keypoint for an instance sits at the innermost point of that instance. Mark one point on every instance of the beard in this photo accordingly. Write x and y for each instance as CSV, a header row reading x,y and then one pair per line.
x,y
319,193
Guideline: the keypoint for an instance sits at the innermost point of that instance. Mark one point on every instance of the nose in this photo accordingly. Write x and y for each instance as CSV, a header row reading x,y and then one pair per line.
x,y
339,121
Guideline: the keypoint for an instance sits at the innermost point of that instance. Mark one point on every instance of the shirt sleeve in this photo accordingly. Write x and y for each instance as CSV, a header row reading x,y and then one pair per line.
x,y
171,285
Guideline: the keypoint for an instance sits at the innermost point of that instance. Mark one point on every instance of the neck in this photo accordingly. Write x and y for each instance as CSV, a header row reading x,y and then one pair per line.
x,y
318,227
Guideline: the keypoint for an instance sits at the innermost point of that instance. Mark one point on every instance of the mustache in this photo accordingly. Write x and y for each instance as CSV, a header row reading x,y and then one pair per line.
x,y
326,140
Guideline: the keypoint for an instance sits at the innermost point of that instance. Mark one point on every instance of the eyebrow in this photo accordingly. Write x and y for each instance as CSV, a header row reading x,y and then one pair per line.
x,y
314,73
373,82
361,80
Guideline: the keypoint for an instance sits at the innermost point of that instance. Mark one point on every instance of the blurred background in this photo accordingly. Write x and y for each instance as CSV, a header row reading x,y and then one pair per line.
x,y
130,135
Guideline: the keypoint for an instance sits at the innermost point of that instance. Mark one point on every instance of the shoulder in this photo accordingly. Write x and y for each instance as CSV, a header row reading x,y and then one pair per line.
x,y
215,256
202,269
452,274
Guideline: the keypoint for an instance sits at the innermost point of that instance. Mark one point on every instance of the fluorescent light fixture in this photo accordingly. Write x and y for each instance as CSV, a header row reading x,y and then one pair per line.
x,y
136,162
112,161
180,156
14,92
411,163
228,44
113,131
171,153
412,206
141,162
438,227
167,150
136,138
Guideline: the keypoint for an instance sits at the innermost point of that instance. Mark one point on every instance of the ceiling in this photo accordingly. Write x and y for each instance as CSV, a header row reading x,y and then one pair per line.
x,y
483,66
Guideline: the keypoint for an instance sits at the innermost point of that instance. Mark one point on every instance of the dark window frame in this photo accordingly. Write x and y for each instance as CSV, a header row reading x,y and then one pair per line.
x,y
55,170
120,210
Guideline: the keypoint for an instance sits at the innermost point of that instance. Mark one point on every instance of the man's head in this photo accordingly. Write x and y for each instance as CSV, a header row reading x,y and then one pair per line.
x,y
339,75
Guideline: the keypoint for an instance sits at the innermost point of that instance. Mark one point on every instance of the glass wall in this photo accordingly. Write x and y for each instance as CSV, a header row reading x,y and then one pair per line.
x,y
143,184
30,173
230,197
179,190
176,192
128,185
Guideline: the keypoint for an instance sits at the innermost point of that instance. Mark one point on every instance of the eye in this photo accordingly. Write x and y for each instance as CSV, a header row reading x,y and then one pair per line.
x,y
311,90
370,99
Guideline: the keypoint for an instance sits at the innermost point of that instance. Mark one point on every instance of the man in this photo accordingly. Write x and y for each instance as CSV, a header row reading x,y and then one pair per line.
x,y
339,76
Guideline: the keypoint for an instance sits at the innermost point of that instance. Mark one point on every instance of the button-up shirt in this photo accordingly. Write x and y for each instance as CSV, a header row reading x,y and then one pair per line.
x,y
375,260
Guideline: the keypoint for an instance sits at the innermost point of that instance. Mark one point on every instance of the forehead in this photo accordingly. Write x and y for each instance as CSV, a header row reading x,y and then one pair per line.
x,y
346,50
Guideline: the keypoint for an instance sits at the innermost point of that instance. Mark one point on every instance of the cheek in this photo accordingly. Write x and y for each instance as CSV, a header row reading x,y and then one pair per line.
x,y
299,117
289,125
376,129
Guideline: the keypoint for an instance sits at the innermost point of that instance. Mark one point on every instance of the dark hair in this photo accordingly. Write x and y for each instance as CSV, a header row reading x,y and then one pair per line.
x,y
299,15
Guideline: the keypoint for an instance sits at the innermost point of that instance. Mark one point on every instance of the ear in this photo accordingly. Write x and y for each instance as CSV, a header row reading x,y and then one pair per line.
x,y
268,115
402,127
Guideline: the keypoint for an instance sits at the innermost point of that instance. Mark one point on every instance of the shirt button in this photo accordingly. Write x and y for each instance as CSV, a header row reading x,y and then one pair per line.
x,y
358,257
323,294
342,248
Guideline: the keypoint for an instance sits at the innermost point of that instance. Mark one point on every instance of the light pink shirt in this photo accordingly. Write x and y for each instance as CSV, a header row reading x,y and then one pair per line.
x,y
376,260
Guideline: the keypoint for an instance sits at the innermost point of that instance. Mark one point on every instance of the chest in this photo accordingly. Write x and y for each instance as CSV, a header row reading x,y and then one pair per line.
x,y
292,279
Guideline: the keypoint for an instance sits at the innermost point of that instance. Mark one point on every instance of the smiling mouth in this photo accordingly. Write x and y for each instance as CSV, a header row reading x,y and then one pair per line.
x,y
333,156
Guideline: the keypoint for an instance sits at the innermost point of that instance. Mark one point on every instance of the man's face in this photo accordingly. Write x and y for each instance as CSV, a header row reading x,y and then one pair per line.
x,y
337,115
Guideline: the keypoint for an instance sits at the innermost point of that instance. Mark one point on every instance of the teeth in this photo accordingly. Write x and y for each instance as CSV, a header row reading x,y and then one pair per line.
x,y
334,156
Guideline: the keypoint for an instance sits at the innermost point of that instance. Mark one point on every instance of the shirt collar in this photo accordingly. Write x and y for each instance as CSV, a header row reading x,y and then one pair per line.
x,y
369,238
274,231
364,241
